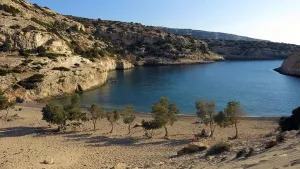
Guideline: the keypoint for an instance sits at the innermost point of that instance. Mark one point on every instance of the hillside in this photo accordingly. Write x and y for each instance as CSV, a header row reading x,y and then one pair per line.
x,y
208,35
251,50
234,47
44,54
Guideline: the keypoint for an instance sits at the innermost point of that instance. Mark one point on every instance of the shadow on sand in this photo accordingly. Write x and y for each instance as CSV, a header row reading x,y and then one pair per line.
x,y
20,131
102,141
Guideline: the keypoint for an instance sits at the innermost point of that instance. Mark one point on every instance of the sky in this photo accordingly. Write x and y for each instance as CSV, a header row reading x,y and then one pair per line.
x,y
275,20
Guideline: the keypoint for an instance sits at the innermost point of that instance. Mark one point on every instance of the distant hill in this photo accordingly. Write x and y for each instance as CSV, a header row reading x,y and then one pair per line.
x,y
208,35
234,47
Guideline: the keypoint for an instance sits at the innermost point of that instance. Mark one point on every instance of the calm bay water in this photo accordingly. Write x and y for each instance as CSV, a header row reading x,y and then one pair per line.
x,y
261,91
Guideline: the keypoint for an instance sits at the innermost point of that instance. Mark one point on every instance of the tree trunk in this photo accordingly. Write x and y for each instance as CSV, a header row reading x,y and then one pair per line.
x,y
94,122
166,131
129,131
6,113
236,131
211,129
112,128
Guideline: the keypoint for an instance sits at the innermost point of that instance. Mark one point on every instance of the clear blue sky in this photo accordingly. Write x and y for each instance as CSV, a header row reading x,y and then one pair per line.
x,y
276,20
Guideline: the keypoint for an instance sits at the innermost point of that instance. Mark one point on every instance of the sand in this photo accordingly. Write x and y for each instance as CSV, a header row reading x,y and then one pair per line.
x,y
28,142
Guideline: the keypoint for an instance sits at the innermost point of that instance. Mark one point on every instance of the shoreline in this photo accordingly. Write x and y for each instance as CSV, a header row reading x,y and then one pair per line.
x,y
37,105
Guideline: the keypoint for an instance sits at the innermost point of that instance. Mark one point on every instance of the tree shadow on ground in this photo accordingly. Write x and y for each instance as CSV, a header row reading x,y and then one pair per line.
x,y
20,131
119,140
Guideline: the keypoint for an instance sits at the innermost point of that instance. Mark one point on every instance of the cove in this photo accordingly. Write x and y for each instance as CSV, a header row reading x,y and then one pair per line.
x,y
261,91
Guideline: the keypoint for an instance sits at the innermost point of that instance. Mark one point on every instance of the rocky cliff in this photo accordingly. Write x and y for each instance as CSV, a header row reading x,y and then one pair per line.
x,y
291,66
44,54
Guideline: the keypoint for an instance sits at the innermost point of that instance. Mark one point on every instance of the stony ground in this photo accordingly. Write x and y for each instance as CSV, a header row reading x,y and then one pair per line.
x,y
27,142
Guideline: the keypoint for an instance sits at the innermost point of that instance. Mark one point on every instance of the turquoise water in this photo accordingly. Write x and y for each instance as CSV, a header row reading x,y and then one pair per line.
x,y
261,91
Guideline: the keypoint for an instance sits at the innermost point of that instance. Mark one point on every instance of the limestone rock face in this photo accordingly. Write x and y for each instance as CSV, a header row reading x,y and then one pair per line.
x,y
291,66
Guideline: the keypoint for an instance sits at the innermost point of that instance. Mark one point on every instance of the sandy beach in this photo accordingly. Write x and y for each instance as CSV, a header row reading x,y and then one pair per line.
x,y
26,141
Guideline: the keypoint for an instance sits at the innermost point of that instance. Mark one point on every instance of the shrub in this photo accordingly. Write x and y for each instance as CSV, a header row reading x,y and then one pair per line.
x,y
41,50
218,149
9,9
6,46
29,28
270,144
54,114
280,138
149,126
292,122
4,72
19,100
5,104
15,27
241,153
30,82
61,68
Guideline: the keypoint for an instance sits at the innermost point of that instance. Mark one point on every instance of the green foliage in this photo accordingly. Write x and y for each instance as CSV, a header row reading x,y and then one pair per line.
x,y
15,27
4,72
218,149
61,68
6,46
221,119
41,50
270,144
30,83
129,116
151,125
206,111
54,114
292,122
9,9
96,113
233,113
3,101
59,115
241,153
29,28
113,117
165,113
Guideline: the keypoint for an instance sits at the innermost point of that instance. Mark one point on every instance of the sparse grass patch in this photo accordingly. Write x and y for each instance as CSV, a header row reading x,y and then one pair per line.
x,y
218,149
270,144
61,68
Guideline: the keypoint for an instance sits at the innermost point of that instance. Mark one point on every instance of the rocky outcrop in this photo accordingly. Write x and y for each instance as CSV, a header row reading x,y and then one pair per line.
x,y
60,76
291,66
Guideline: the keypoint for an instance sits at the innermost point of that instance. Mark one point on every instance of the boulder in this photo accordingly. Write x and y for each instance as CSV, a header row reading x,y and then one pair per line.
x,y
192,148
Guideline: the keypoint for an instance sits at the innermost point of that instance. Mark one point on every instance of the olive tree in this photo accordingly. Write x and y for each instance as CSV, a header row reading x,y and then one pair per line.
x,y
55,114
165,113
113,117
73,109
234,112
5,104
96,113
129,116
59,115
206,112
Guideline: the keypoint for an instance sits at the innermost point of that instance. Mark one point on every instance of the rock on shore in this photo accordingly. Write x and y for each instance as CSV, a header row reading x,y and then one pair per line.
x,y
291,66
